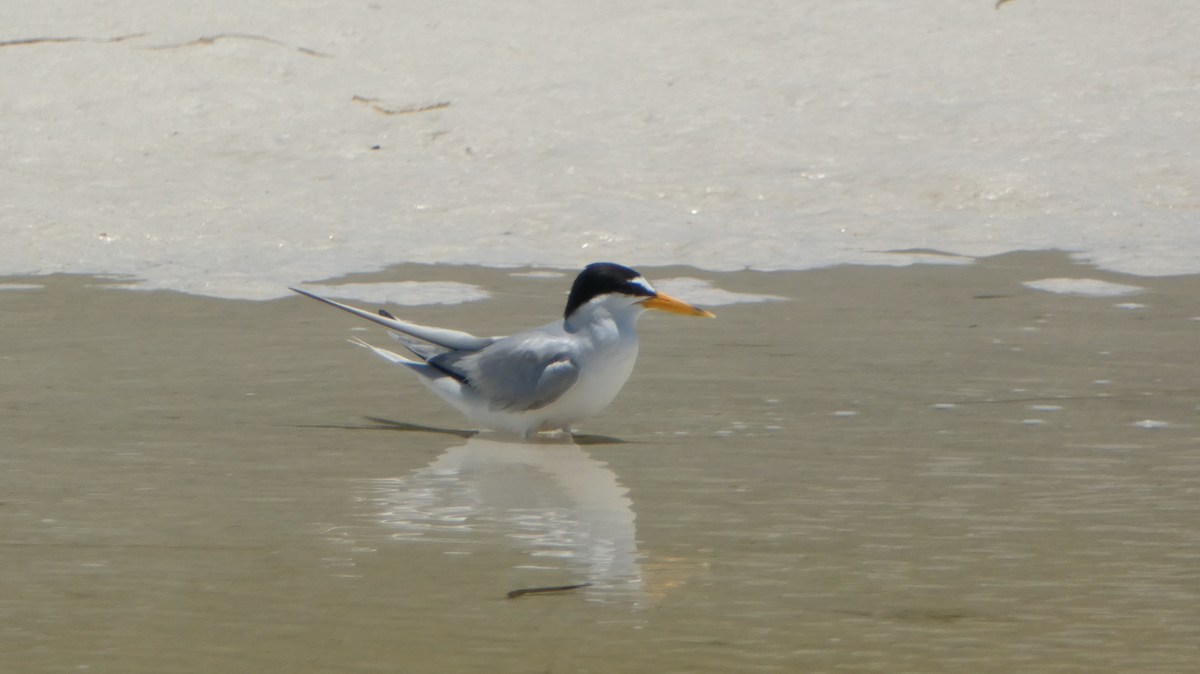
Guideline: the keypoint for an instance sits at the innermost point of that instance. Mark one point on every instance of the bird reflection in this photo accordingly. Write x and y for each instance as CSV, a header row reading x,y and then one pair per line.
x,y
552,501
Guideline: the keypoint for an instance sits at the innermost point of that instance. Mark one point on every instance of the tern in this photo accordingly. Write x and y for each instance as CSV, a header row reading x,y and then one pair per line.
x,y
544,379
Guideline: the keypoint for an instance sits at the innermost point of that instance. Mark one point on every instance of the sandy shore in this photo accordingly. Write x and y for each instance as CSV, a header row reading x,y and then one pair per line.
x,y
235,148
930,468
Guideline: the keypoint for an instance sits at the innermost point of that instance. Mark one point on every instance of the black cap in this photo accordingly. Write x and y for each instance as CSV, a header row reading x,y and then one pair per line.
x,y
602,278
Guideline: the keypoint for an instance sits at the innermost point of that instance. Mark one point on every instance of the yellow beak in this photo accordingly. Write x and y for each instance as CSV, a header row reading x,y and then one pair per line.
x,y
668,303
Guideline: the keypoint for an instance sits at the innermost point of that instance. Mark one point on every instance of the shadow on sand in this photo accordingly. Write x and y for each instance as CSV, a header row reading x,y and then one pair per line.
x,y
379,424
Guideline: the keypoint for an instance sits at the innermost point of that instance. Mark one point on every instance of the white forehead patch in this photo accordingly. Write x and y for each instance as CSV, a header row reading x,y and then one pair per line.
x,y
639,281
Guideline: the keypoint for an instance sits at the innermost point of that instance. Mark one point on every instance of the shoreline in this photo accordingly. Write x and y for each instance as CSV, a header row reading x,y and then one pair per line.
x,y
889,457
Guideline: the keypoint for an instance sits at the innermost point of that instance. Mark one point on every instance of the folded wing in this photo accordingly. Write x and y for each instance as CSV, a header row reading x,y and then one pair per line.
x,y
517,375
448,339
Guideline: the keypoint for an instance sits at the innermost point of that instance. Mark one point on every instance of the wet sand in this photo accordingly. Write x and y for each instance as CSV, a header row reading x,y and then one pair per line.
x,y
928,468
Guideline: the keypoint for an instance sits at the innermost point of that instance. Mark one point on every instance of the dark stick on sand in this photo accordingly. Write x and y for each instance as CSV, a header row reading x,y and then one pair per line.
x,y
538,590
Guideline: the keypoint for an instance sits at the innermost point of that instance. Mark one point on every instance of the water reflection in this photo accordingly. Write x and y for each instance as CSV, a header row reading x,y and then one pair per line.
x,y
551,501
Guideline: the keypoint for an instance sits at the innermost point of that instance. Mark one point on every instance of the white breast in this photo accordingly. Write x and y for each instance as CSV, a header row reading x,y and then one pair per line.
x,y
606,350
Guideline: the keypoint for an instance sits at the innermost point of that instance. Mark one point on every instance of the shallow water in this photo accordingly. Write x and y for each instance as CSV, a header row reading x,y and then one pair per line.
x,y
917,469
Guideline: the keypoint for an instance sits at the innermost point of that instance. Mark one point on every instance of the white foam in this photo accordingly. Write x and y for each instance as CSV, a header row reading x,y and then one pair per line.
x,y
405,293
20,286
701,292
538,274
1087,287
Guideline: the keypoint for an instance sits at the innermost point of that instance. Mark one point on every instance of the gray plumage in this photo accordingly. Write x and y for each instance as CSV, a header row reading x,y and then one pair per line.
x,y
542,379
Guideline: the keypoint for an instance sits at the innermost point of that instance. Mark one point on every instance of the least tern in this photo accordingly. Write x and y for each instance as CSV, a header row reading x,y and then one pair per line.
x,y
544,379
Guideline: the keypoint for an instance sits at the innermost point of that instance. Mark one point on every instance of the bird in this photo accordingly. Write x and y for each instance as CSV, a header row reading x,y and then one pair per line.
x,y
543,379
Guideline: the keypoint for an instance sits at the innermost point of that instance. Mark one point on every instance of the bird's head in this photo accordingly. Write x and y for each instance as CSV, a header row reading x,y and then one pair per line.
x,y
605,281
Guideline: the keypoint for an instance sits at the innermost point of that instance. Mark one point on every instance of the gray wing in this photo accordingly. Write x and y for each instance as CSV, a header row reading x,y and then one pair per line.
x,y
519,373
447,339
423,350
